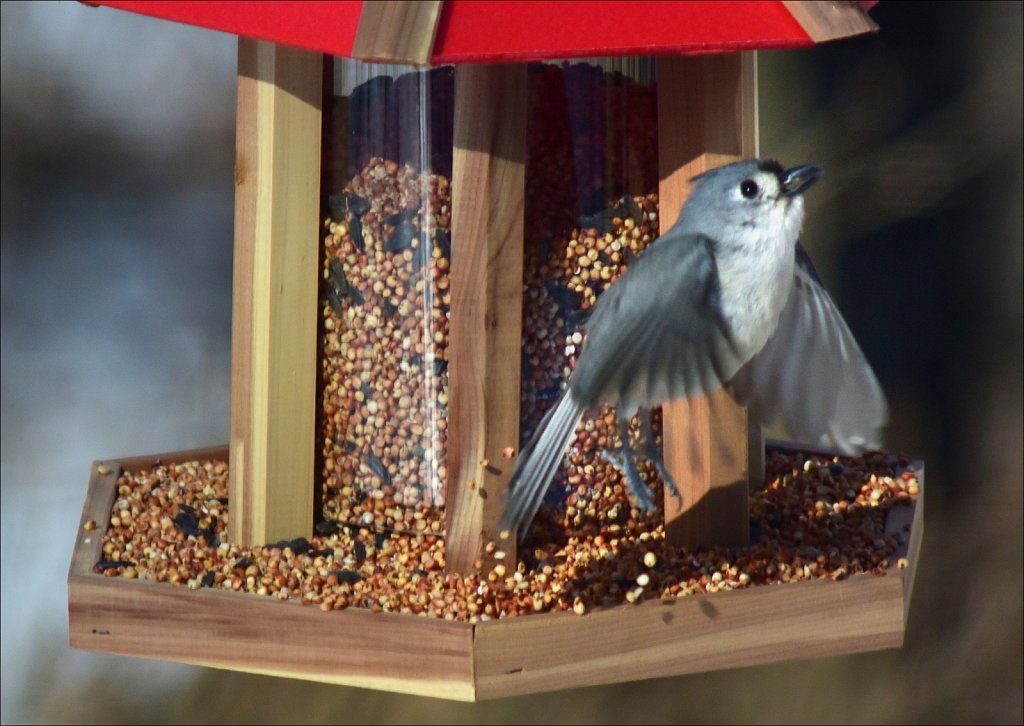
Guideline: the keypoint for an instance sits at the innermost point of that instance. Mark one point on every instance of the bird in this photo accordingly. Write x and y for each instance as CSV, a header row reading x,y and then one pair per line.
x,y
727,297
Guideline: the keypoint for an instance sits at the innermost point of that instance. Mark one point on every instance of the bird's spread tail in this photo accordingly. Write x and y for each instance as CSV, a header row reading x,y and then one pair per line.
x,y
537,464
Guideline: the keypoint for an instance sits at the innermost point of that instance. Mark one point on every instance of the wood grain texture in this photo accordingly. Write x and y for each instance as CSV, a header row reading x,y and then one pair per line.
x,y
252,633
914,547
263,635
274,300
707,117
709,452
908,523
397,31
485,325
134,463
831,20
698,633
98,502
427,656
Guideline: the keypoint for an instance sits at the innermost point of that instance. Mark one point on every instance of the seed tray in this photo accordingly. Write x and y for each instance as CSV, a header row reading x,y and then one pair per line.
x,y
492,657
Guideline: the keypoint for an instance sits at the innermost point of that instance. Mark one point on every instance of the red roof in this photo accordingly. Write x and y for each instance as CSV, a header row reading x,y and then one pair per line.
x,y
499,30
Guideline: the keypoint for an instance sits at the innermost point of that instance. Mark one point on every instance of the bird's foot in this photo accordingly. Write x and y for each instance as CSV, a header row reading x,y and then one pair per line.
x,y
622,460
652,455
670,483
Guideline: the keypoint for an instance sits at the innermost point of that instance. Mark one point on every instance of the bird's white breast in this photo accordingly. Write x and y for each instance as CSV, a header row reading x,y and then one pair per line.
x,y
756,282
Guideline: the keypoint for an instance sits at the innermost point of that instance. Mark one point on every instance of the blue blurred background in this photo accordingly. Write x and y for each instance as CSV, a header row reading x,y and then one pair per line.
x,y
117,194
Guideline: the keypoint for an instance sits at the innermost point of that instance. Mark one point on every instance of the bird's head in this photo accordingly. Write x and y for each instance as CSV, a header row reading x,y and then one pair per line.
x,y
753,196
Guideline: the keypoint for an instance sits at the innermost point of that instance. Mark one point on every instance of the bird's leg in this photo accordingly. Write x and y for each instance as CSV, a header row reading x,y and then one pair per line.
x,y
613,457
651,452
624,460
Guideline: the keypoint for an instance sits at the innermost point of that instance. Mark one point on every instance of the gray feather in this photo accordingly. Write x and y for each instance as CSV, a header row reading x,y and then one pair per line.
x,y
537,464
812,375
654,347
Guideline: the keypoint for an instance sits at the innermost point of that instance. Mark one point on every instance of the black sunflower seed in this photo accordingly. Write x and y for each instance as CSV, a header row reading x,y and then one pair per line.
x,y
633,209
355,231
338,279
568,299
401,239
396,219
337,206
355,295
349,576
299,545
357,205
334,300
210,535
326,526
378,468
601,221
186,522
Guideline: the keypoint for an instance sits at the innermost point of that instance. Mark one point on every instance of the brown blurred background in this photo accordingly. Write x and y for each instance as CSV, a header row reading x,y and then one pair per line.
x,y
117,156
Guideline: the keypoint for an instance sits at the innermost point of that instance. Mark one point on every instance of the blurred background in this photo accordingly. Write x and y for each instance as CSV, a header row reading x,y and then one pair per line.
x,y
117,194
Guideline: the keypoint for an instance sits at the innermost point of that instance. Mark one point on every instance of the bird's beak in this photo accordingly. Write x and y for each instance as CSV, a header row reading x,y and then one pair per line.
x,y
798,179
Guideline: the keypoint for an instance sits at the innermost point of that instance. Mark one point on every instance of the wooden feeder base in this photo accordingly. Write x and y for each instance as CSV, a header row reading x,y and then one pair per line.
x,y
492,659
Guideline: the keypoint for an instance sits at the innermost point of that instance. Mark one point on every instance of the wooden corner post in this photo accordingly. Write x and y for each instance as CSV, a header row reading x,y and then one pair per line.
x,y
396,31
485,328
274,299
707,117
829,21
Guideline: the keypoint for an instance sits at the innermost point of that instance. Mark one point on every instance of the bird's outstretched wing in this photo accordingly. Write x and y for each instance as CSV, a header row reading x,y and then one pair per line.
x,y
812,374
658,333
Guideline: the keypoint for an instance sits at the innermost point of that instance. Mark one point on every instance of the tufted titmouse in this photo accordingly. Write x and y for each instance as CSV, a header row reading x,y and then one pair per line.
x,y
726,297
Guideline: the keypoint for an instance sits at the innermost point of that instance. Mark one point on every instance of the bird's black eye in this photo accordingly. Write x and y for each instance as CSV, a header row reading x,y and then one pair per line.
x,y
749,188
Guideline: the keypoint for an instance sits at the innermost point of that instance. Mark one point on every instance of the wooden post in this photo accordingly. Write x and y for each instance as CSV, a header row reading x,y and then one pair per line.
x,y
485,328
396,31
274,300
829,21
707,116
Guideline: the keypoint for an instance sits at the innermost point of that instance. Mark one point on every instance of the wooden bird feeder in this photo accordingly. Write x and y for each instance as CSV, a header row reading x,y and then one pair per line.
x,y
426,205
